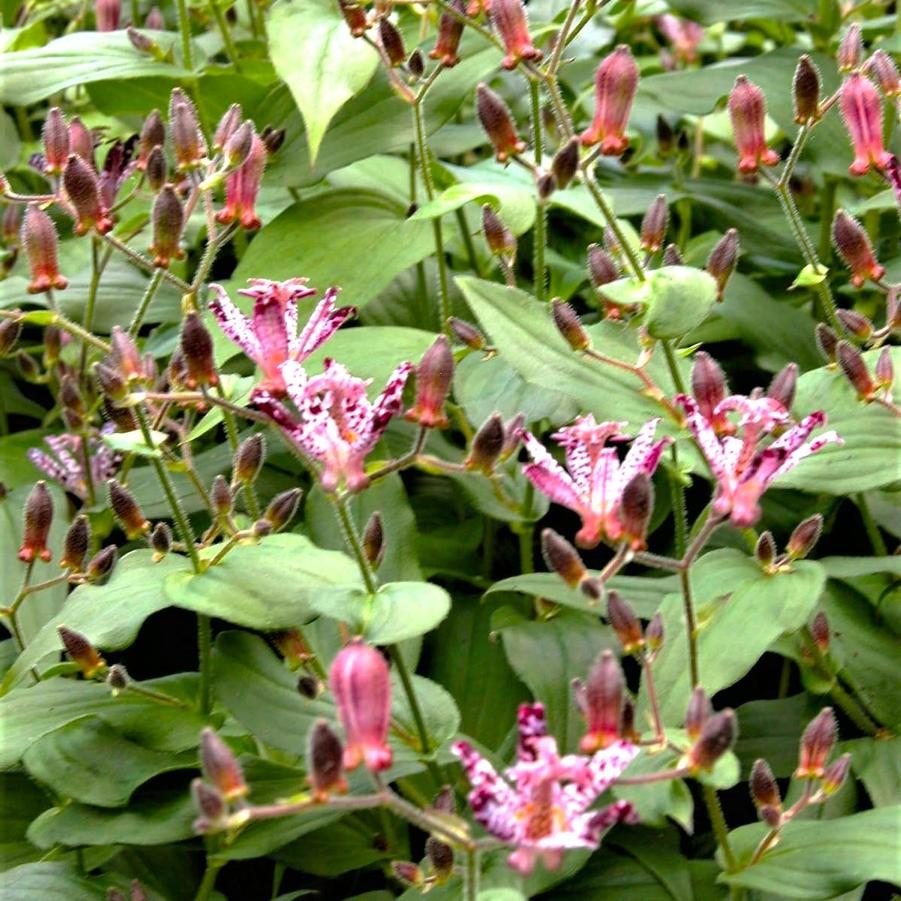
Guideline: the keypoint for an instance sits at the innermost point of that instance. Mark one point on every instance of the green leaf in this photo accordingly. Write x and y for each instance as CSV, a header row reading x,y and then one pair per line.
x,y
710,11
323,65
20,802
680,299
877,763
822,859
109,615
134,443
772,729
28,76
320,236
810,276
513,202
439,711
89,761
265,585
658,801
740,612
50,881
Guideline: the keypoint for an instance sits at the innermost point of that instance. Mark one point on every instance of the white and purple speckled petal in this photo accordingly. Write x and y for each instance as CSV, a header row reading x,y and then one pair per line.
x,y
234,324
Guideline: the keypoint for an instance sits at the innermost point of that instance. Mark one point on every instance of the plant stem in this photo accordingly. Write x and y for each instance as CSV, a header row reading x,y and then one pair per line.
x,y
539,239
613,225
86,466
152,287
230,49
146,264
184,26
677,494
720,828
562,37
659,733
876,540
210,873
471,876
690,627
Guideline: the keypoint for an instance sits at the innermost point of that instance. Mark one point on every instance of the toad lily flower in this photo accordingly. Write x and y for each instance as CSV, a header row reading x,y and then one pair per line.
x,y
338,425
593,487
743,472
65,462
541,807
270,336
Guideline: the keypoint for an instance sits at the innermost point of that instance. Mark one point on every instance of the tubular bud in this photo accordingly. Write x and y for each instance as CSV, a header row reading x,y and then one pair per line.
x,y
355,17
117,678
653,635
747,110
360,683
392,42
81,140
242,187
55,137
324,762
107,14
717,737
239,144
76,544
249,459
616,82
221,497
72,404
40,242
862,112
672,256
374,540
566,163
821,631
466,333
498,237
855,323
407,873
441,859
624,623
854,247
228,125
210,804
27,367
83,191
765,551
708,385
272,139
854,368
10,329
81,651
416,64
699,711
486,445
850,49
197,349
764,789
156,170
628,728
10,224
498,124
509,19
561,557
722,260
450,30
653,226
220,766
601,268
604,694
282,508
187,139
782,388
168,219
882,67
153,134
826,341
102,563
806,91
885,370
38,519
804,537
110,381
635,509
835,774
569,325
434,376
160,541
816,744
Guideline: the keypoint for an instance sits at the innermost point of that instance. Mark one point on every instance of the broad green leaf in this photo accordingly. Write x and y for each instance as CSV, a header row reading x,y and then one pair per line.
x,y
514,203
740,612
265,585
680,299
28,76
871,454
21,800
709,11
659,851
134,443
772,729
89,761
16,469
322,235
658,801
323,65
109,615
877,763
822,859
50,881
439,711
29,713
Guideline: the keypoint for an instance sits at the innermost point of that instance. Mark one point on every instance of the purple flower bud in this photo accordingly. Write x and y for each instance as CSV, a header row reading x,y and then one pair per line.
x,y
854,368
722,260
392,42
249,459
325,766
716,738
827,341
161,540
672,256
197,348
434,376
498,237
783,386
699,711
76,544
374,540
81,651
486,445
850,49
653,635
220,767
635,509
239,145
882,67
624,623
806,91
616,82
117,678
653,226
157,170
355,15
210,804
441,859
708,384
569,325
561,557
407,873
81,140
885,369
187,139
604,692
566,163
853,245
10,329
221,497
498,124
282,508
228,125
168,218
835,774
511,24
466,333
83,191
601,268
764,790
154,20
153,134
765,551
36,530
747,110
102,563
821,631
450,30
107,14
55,138
41,243
816,744
862,111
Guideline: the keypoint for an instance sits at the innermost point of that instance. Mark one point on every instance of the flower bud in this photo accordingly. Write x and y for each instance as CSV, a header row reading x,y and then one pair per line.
x,y
604,692
76,544
55,137
291,645
81,651
221,497
361,686
545,185
716,738
498,237
806,91
782,387
835,774
107,14
821,631
441,859
628,729
855,323
27,367
854,368
81,141
126,510
416,64
854,247
117,678
242,187
38,519
239,145
615,84
665,137
672,256
885,369
282,508
722,260
498,124
708,385
10,329
624,623
110,381
466,333
157,170
187,139
407,873
635,509
10,223
450,30
101,564
862,112
40,242
747,110
764,789
355,16
197,348
72,404
392,42
816,744
374,540
210,804
137,892
434,376
486,445
699,711
154,20
601,268
53,345
510,22
272,139
83,191
566,163
561,557
653,635
324,762
249,459
220,766
850,49
882,68
228,125
765,550
168,220
653,226
160,541
826,341
143,43
309,686
569,325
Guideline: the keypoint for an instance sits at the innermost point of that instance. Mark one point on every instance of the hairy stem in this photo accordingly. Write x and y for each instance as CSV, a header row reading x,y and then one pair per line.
x,y
184,26
152,286
720,828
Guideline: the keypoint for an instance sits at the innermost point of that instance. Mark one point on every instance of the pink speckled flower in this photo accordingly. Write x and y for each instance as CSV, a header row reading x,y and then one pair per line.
x,y
64,464
270,336
744,472
337,424
594,483
862,112
242,187
540,806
